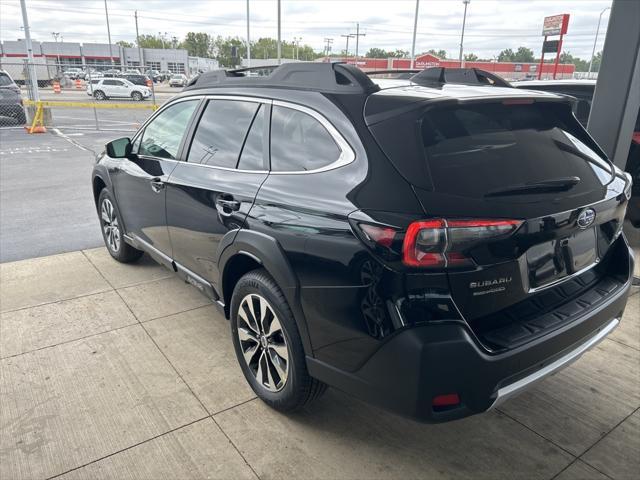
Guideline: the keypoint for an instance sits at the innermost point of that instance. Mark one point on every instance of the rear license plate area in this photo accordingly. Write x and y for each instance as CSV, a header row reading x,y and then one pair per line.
x,y
551,261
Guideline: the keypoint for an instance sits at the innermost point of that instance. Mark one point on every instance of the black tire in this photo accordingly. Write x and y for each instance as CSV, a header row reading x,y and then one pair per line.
x,y
137,96
21,117
99,95
118,249
299,388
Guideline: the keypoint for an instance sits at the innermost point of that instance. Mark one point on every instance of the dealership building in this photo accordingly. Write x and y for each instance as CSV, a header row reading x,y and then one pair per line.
x,y
102,56
507,70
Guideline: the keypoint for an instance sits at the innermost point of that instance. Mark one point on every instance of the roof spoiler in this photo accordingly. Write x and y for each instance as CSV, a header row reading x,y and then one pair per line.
x,y
438,76
316,76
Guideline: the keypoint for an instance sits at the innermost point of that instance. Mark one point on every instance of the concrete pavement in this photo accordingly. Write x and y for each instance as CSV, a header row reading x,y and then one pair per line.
x,y
123,371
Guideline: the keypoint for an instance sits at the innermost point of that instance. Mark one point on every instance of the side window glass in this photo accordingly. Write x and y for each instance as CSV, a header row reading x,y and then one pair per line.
x,y
299,142
252,157
221,132
162,137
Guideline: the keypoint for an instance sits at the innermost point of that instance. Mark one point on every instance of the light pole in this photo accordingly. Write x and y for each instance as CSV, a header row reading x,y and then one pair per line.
x,y
106,14
55,36
33,80
464,21
294,51
596,41
162,35
279,46
415,30
248,39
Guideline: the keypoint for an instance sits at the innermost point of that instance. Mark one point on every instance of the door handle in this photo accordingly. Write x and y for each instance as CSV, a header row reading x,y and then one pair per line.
x,y
156,184
227,205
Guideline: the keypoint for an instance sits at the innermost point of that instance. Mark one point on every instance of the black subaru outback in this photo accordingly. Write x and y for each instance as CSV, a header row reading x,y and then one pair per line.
x,y
430,249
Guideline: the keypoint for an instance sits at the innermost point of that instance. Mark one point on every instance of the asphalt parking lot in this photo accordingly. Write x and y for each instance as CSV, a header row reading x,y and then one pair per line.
x,y
45,192
123,371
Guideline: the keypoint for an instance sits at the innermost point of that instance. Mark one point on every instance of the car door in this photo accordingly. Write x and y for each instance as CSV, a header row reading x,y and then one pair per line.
x,y
123,89
139,182
211,193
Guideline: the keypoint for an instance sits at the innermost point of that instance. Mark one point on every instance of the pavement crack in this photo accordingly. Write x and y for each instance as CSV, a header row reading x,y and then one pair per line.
x,y
73,142
129,447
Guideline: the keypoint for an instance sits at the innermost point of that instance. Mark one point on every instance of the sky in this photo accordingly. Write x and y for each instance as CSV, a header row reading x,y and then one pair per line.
x,y
491,26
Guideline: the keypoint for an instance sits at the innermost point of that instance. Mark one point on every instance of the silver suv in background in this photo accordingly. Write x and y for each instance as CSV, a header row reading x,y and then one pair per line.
x,y
178,80
106,88
10,101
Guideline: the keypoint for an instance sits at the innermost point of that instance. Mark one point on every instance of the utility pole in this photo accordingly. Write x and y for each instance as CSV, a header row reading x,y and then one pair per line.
x,y
415,30
358,35
162,35
106,14
464,21
248,39
140,59
33,85
279,37
348,36
328,42
596,41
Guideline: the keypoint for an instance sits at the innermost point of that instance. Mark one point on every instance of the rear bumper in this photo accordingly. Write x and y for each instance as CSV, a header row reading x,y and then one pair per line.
x,y
417,364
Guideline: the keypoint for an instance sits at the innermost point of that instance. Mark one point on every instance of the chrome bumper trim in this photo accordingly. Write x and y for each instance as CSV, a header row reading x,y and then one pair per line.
x,y
515,388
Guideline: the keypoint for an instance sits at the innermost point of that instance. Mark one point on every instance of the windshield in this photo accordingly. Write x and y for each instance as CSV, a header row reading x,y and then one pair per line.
x,y
5,80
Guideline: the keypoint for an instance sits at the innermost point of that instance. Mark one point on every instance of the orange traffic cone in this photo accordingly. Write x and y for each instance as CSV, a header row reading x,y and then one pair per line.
x,y
56,87
78,84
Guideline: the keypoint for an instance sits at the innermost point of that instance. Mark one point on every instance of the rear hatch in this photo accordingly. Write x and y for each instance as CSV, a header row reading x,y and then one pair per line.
x,y
517,197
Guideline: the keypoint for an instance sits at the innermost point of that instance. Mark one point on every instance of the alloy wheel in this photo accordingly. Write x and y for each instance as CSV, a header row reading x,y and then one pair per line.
x,y
110,225
263,343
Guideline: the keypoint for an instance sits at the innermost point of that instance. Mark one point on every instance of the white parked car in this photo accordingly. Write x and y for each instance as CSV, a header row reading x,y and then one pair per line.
x,y
178,80
105,88
73,73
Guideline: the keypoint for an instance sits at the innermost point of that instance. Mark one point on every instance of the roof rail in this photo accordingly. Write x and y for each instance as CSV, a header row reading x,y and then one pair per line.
x,y
316,76
398,73
438,76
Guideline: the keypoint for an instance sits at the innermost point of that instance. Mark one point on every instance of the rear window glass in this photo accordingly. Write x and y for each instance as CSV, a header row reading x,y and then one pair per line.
x,y
476,149
299,142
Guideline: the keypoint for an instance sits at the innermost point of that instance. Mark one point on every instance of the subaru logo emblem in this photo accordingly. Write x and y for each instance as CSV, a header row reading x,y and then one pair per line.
x,y
586,218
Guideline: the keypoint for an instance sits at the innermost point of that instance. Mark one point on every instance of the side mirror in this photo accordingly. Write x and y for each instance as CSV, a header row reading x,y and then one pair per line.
x,y
120,148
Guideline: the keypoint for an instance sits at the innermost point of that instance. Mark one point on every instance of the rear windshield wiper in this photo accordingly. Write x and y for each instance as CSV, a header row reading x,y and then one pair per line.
x,y
554,185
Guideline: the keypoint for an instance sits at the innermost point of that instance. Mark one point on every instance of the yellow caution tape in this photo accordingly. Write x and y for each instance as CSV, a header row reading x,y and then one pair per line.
x,y
53,104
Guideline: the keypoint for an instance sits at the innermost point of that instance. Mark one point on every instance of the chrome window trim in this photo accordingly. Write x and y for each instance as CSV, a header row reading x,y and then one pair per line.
x,y
347,155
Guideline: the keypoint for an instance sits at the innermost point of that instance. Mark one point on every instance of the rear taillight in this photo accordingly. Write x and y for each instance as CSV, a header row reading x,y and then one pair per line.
x,y
441,243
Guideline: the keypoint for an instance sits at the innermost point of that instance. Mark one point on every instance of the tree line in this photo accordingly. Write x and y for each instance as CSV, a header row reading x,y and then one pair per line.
x,y
200,44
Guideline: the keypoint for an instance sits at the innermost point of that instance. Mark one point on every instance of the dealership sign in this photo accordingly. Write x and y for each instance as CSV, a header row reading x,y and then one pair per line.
x,y
555,25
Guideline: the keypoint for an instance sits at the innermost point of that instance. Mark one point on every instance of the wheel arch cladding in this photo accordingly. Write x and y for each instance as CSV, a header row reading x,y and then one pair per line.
x,y
98,185
249,250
